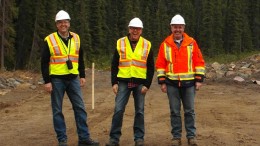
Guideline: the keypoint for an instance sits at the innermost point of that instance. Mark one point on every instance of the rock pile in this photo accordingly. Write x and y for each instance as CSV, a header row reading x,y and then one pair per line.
x,y
241,71
11,80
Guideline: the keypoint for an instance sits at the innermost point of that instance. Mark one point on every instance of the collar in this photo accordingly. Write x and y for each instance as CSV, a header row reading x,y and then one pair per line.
x,y
178,41
67,38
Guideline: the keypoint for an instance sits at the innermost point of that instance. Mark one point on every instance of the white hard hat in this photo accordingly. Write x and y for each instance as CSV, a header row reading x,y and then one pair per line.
x,y
62,15
136,22
177,19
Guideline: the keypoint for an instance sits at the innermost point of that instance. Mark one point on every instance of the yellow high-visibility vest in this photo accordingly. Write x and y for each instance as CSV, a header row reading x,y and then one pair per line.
x,y
60,53
133,63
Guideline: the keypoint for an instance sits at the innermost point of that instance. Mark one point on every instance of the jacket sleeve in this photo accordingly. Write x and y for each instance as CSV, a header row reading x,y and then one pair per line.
x,y
150,69
199,63
160,65
81,67
114,68
45,60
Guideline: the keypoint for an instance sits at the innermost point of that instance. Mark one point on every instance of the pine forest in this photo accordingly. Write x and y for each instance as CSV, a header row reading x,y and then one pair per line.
x,y
219,26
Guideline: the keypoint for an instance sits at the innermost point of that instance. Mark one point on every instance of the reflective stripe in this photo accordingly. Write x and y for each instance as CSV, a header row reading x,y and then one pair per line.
x,y
58,60
168,57
168,53
63,60
139,63
124,63
76,42
161,72
145,52
189,52
74,58
123,48
200,70
134,63
55,45
181,77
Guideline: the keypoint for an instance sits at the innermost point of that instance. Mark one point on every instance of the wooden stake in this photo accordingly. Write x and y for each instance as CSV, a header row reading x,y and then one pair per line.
x,y
93,99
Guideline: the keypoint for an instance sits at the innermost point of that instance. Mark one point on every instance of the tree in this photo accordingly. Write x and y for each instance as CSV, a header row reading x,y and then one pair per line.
x,y
233,27
80,25
8,33
253,14
206,26
246,34
95,26
38,34
24,30
3,35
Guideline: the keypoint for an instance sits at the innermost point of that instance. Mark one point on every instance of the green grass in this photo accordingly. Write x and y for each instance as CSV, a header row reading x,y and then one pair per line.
x,y
228,58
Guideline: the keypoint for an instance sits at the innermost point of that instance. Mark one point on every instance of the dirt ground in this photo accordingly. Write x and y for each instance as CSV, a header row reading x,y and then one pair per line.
x,y
227,114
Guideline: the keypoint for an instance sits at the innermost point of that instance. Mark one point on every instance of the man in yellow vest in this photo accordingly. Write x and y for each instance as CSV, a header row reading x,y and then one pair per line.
x,y
132,70
61,63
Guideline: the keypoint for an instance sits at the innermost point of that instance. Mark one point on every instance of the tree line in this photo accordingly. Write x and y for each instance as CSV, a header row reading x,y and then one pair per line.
x,y
219,26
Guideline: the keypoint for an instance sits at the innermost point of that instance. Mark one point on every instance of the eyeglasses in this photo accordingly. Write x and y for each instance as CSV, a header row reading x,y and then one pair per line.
x,y
135,28
63,22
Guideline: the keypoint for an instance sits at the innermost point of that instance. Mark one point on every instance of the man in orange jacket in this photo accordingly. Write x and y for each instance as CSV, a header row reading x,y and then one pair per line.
x,y
181,68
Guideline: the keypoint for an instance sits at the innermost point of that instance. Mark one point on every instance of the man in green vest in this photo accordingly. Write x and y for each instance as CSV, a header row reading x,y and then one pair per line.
x,y
132,70
61,63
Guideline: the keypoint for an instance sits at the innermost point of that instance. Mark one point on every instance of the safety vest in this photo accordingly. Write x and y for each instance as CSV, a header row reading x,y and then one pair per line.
x,y
181,63
133,63
60,53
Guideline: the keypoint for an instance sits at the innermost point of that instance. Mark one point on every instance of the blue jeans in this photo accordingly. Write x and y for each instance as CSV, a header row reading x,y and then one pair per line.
x,y
176,95
72,88
121,101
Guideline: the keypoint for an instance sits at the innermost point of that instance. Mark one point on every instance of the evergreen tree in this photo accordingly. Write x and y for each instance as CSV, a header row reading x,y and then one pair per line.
x,y
163,20
8,33
24,24
111,24
188,11
38,34
253,13
95,28
246,36
217,28
80,25
233,27
206,26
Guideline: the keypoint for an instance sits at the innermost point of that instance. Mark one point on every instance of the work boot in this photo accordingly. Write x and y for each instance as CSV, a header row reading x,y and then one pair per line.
x,y
192,142
139,142
176,142
63,143
88,142
112,143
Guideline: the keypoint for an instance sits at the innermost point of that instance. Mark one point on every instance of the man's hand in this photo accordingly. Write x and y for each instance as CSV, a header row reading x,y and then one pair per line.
x,y
144,90
115,88
163,88
48,87
82,82
198,85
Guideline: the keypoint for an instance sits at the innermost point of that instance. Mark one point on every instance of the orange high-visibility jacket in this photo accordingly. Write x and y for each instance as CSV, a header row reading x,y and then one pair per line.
x,y
180,64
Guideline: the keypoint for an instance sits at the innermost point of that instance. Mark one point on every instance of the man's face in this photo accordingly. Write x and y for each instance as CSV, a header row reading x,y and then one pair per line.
x,y
177,30
135,33
63,26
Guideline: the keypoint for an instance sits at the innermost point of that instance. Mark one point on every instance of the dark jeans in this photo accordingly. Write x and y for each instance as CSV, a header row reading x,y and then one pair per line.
x,y
177,95
72,88
121,101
